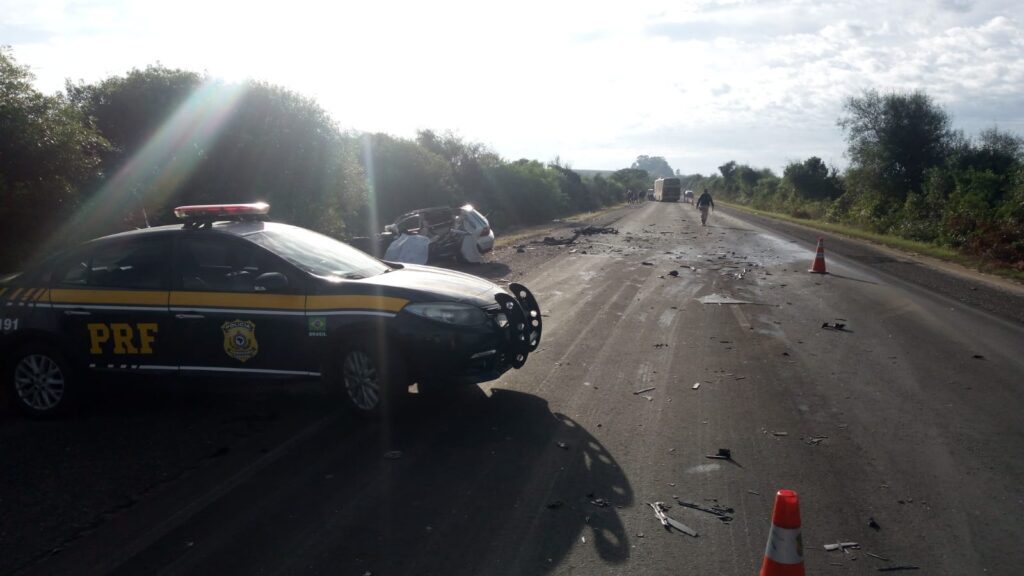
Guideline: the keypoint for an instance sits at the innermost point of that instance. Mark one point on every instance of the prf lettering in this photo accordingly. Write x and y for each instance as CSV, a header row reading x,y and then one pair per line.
x,y
125,338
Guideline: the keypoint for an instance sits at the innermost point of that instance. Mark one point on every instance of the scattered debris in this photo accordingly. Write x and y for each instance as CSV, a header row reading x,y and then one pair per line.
x,y
638,392
753,492
724,513
898,568
393,454
599,502
659,510
649,398
780,433
883,558
555,505
662,345
873,525
719,299
978,357
696,385
815,440
842,546
563,445
521,249
645,263
834,326
740,378
723,454
673,273
591,230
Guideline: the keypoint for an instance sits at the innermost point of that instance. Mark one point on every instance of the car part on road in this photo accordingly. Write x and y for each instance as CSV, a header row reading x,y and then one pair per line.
x,y
696,385
836,326
659,511
723,513
639,392
842,546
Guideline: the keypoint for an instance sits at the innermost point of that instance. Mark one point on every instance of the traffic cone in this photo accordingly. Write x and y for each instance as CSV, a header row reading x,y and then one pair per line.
x,y
819,259
784,554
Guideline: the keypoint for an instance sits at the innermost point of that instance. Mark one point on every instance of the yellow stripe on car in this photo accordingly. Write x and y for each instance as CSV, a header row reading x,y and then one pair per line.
x,y
384,303
123,297
238,300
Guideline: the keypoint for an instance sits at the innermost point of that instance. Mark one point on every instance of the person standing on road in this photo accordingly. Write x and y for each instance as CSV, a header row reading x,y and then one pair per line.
x,y
703,204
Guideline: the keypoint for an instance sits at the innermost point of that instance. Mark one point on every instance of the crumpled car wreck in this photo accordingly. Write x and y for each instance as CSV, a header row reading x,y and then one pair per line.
x,y
431,234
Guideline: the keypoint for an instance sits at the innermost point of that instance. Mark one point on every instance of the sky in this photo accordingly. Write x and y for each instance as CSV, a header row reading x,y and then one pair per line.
x,y
594,84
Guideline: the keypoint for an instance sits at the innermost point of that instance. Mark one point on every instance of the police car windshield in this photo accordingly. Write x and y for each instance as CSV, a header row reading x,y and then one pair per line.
x,y
318,254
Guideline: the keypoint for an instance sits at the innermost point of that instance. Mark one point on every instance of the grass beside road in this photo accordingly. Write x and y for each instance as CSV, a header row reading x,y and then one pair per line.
x,y
939,252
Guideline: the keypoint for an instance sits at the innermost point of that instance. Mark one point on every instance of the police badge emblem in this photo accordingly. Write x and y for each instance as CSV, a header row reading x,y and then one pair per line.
x,y
240,339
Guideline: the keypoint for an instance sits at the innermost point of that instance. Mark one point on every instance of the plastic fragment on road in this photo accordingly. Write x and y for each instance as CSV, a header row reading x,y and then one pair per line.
x,y
645,263
720,299
842,546
780,433
669,523
673,273
696,385
723,454
837,326
873,524
882,558
639,392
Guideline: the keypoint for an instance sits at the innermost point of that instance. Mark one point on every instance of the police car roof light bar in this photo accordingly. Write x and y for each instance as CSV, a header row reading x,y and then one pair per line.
x,y
211,212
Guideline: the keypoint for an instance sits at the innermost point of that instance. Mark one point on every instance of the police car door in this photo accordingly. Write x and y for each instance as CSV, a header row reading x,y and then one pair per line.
x,y
110,300
237,308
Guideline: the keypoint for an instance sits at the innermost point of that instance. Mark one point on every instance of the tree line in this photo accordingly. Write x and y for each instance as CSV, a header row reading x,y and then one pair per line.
x,y
911,174
122,152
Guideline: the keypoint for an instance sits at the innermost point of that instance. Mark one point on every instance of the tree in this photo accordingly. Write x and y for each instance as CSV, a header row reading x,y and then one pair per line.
x,y
632,179
48,150
894,139
812,179
656,166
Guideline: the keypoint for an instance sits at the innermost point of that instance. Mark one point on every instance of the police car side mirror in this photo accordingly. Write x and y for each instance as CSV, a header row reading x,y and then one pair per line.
x,y
270,282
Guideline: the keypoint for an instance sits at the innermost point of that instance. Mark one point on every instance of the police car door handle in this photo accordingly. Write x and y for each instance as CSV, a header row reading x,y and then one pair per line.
x,y
77,313
189,316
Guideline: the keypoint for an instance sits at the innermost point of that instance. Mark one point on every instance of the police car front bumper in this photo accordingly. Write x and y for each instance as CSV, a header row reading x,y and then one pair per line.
x,y
445,353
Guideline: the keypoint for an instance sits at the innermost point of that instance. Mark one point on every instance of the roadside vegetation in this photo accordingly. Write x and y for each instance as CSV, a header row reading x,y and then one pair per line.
x,y
115,154
911,176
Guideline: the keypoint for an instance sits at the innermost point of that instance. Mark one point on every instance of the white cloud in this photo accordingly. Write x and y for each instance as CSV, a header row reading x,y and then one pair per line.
x,y
700,82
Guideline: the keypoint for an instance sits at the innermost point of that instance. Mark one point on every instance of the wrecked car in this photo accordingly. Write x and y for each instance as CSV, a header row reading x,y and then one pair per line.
x,y
432,234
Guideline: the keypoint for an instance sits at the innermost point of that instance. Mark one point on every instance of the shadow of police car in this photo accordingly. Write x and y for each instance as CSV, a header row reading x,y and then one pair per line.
x,y
227,293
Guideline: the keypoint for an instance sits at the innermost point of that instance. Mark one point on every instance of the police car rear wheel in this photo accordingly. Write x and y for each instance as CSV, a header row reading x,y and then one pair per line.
x,y
41,382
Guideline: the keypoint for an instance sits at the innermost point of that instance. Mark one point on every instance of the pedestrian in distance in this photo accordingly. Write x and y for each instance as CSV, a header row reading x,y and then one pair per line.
x,y
703,204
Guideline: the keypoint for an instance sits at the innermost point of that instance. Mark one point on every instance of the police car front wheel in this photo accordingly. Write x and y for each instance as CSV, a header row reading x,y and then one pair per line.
x,y
371,382
41,383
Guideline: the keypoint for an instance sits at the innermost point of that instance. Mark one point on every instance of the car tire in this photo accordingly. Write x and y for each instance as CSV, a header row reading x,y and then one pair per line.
x,y
369,382
40,382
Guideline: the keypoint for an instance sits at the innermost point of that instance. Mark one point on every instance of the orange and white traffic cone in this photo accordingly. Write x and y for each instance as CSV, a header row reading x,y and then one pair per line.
x,y
784,554
819,259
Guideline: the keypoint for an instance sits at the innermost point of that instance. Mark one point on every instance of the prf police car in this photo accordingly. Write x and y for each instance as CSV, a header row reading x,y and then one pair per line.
x,y
227,293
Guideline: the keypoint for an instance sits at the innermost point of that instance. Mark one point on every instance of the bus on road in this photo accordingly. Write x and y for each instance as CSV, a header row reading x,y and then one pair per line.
x,y
667,189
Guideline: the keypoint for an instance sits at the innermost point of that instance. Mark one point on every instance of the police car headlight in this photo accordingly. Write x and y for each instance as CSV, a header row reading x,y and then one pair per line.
x,y
449,313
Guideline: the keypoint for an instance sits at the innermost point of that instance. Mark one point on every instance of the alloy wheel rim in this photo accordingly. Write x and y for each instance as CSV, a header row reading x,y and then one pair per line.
x,y
39,382
360,376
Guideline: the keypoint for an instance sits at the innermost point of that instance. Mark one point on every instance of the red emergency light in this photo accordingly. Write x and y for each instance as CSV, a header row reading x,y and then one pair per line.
x,y
214,211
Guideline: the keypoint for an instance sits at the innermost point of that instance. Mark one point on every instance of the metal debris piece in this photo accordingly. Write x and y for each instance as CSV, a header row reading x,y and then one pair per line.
x,y
723,513
659,511
696,385
877,556
834,326
842,546
639,392
898,568
753,492
393,454
723,454
591,230
780,433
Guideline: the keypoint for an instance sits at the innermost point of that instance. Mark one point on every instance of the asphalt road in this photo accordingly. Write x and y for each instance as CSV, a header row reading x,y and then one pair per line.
x,y
910,415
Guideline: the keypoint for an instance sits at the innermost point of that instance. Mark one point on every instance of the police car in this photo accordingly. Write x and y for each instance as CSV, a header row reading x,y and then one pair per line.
x,y
228,293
